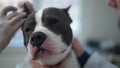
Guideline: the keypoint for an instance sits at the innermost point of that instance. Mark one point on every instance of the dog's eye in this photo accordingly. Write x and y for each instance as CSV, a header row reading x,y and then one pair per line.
x,y
26,30
53,21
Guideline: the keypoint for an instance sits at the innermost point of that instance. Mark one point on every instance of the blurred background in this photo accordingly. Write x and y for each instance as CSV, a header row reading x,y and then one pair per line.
x,y
94,24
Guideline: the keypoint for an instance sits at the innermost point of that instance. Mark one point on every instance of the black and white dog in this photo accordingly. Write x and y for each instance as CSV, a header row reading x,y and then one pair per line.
x,y
48,37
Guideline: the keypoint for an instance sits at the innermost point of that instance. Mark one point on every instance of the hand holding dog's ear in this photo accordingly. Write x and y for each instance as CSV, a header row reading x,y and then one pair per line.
x,y
25,6
9,24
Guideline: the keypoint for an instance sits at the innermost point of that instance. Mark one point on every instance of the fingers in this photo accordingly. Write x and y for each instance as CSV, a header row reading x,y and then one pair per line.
x,y
6,10
21,5
77,47
29,5
19,24
17,17
13,14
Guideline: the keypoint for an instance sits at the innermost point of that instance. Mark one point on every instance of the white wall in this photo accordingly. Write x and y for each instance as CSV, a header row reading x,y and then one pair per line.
x,y
99,21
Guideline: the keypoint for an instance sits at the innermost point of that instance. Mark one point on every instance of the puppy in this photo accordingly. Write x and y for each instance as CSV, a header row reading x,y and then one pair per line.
x,y
48,36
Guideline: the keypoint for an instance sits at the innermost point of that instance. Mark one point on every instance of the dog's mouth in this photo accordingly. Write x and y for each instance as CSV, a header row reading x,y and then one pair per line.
x,y
41,51
48,51
49,47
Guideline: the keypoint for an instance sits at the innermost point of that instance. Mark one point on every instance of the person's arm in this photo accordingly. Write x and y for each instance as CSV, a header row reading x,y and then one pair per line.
x,y
90,61
9,24
82,55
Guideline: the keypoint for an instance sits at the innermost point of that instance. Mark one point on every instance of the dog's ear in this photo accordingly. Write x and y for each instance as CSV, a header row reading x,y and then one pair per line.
x,y
66,11
28,8
28,27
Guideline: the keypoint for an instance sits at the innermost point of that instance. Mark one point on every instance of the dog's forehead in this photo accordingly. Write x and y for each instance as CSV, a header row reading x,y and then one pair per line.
x,y
61,27
49,12
53,11
41,20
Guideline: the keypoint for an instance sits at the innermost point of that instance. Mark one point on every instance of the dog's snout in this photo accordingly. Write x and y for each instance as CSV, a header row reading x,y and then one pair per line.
x,y
37,39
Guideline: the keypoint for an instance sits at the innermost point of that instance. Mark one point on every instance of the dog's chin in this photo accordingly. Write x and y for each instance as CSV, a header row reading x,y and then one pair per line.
x,y
45,51
54,59
47,58
40,55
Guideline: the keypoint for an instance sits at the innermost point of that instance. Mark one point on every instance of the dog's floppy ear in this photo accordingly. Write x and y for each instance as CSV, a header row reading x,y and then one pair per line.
x,y
66,11
26,9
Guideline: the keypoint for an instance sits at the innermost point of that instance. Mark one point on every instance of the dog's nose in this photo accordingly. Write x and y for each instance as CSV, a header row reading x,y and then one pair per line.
x,y
37,39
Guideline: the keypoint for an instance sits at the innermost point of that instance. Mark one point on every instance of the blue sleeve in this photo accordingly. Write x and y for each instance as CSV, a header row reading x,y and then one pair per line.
x,y
83,59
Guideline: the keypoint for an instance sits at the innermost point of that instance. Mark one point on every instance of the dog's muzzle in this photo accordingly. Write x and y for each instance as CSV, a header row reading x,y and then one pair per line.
x,y
37,40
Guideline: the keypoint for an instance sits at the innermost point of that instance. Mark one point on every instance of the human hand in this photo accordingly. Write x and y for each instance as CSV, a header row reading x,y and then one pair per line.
x,y
77,47
9,24
25,6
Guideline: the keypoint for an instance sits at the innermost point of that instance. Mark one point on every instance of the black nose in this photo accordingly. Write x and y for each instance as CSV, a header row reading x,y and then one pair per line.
x,y
37,39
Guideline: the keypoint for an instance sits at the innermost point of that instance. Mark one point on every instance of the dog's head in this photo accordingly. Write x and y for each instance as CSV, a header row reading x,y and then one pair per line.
x,y
47,35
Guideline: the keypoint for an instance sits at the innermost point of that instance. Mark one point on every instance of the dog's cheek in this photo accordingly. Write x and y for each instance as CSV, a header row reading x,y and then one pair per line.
x,y
58,45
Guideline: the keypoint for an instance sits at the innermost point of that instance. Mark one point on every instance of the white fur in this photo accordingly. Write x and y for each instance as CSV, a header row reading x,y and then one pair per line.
x,y
70,63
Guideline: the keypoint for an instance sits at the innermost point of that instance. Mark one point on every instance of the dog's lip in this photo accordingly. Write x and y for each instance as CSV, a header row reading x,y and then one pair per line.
x,y
40,50
36,54
63,50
